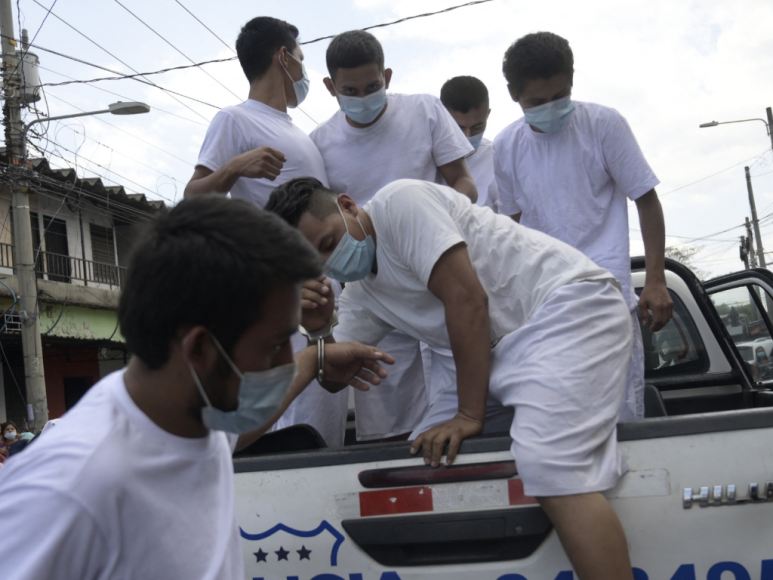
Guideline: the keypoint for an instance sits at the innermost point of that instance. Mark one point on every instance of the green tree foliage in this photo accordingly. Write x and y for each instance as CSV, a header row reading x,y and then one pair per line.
x,y
686,255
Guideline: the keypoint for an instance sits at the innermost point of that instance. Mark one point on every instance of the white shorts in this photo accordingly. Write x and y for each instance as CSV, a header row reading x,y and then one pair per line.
x,y
400,402
564,375
632,408
443,399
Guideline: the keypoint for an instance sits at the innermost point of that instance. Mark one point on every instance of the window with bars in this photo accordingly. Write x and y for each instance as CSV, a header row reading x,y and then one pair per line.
x,y
103,254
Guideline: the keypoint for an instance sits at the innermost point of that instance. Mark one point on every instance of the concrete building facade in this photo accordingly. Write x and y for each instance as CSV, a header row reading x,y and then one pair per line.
x,y
83,233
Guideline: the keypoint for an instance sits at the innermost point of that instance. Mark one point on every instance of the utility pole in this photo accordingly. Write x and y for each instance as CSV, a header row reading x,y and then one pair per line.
x,y
755,222
744,251
24,259
770,125
750,244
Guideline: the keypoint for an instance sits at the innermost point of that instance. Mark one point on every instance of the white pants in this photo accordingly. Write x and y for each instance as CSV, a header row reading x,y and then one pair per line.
x,y
323,410
391,408
400,402
563,375
632,408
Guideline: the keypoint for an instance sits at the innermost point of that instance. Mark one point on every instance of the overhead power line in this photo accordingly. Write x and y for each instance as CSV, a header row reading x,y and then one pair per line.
x,y
205,26
26,50
404,19
137,76
102,48
219,60
714,174
118,77
150,191
149,27
155,107
101,120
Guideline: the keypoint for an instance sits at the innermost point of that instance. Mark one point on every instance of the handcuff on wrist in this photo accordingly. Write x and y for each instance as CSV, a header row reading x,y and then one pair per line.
x,y
319,337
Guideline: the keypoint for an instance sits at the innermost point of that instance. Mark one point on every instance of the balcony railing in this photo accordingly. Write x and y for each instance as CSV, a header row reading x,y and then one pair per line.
x,y
59,268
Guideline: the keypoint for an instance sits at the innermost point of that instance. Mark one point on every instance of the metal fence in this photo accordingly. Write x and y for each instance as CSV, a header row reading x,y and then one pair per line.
x,y
59,268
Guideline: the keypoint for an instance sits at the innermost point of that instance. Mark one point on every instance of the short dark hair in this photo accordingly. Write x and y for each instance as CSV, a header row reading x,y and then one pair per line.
x,y
539,55
11,423
352,49
210,261
464,93
300,195
259,39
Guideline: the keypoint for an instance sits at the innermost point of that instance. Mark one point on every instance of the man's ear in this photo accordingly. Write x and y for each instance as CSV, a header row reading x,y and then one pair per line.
x,y
487,114
511,90
197,348
330,87
281,56
348,204
387,77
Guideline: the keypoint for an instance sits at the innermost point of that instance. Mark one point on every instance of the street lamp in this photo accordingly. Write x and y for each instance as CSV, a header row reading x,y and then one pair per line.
x,y
119,108
767,124
755,222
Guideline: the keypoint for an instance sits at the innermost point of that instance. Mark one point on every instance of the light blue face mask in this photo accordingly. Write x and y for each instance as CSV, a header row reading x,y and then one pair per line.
x,y
551,116
260,395
300,87
364,110
352,259
475,140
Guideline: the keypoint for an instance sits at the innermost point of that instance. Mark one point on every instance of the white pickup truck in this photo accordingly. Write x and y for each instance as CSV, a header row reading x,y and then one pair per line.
x,y
696,503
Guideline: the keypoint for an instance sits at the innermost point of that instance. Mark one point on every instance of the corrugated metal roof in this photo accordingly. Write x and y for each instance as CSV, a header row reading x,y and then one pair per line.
x,y
112,197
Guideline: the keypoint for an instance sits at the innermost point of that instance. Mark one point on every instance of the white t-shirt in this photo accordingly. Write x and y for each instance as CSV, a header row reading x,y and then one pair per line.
x,y
109,495
481,166
574,184
249,125
416,223
411,140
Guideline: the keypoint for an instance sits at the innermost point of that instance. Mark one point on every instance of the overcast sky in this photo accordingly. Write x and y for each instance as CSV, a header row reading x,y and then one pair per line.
x,y
666,65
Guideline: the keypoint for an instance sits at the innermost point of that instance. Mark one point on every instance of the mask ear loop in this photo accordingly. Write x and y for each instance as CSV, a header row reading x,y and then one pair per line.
x,y
227,358
355,217
196,379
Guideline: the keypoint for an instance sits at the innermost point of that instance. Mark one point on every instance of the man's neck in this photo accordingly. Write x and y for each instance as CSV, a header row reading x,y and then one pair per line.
x,y
269,90
167,396
367,224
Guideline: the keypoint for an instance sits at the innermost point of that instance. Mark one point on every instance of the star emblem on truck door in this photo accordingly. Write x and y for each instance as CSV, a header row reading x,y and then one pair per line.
x,y
281,553
304,553
260,555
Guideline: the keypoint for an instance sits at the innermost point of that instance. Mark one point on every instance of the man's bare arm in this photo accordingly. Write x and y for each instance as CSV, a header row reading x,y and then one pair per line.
x,y
458,176
349,363
654,295
264,162
454,282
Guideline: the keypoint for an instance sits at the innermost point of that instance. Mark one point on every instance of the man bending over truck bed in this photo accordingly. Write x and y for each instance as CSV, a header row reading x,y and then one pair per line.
x,y
526,316
137,480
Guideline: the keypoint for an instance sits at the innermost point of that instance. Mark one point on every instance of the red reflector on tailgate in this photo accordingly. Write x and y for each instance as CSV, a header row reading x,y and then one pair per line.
x,y
396,501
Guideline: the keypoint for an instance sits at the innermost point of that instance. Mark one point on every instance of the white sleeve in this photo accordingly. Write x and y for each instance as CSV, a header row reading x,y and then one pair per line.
x,y
232,440
505,183
624,159
357,323
448,141
53,537
222,142
419,229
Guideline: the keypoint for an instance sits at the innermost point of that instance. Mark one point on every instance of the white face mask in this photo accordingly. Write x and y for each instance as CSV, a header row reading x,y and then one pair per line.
x,y
301,87
10,435
260,395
